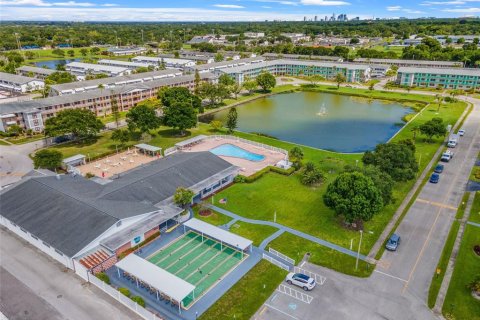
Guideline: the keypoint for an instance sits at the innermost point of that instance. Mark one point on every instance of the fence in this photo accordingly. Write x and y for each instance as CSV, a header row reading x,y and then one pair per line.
x,y
295,293
276,262
258,144
281,256
144,313
318,278
170,151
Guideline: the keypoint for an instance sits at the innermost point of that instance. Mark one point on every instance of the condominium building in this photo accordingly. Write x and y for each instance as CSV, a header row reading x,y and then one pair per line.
x,y
81,70
123,64
17,83
328,70
274,56
168,62
454,78
126,51
216,67
32,114
410,63
110,83
34,72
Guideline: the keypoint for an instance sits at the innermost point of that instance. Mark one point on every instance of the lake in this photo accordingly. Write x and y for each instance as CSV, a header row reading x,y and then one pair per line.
x,y
52,64
321,120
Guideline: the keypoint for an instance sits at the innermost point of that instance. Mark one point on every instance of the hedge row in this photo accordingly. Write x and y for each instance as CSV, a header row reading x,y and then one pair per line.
x,y
257,175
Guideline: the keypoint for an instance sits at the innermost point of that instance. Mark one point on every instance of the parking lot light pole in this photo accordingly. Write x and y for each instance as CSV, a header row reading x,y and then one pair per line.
x,y
358,252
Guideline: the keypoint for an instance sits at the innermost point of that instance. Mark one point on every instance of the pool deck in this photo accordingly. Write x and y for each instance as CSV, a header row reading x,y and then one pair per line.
x,y
247,167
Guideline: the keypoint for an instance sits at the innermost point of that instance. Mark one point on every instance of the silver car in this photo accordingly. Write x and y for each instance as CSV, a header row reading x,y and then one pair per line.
x,y
305,282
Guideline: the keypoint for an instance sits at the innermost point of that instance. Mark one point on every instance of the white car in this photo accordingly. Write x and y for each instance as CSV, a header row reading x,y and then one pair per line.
x,y
305,282
461,132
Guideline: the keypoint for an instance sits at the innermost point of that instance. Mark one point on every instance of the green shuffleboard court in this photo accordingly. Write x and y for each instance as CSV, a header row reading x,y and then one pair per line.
x,y
198,260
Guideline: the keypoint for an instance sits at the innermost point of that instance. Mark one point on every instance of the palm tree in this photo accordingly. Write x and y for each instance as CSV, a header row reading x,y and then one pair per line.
x,y
439,99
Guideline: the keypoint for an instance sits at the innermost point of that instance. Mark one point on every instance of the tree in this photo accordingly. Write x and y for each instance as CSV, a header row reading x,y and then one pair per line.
x,y
95,50
121,136
218,57
60,77
354,41
232,118
47,159
14,130
339,79
197,82
433,127
354,196
143,118
250,86
266,81
170,96
71,53
226,80
314,79
311,175
215,93
216,125
83,51
115,109
29,55
395,158
180,115
236,88
295,155
81,123
96,76
183,197
381,180
58,52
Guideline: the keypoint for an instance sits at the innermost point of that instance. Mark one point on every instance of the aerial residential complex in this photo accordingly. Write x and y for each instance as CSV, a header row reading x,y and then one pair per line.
x,y
410,63
446,78
81,70
34,72
168,62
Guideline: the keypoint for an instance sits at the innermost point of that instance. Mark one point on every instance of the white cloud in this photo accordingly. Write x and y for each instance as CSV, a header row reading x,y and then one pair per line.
x,y
324,3
399,8
37,3
441,3
288,3
73,4
394,8
463,10
109,5
228,6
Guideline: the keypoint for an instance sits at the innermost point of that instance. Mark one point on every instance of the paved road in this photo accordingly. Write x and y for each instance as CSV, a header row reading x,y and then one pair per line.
x,y
46,290
14,161
398,288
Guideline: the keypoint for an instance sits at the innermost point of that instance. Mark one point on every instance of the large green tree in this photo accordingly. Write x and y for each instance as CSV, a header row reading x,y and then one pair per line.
x,y
232,118
353,195
47,159
171,96
60,77
382,180
266,81
143,117
81,123
339,79
395,158
183,197
433,127
180,115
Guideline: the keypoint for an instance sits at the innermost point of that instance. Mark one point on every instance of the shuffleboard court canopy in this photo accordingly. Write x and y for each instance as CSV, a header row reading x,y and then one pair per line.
x,y
171,285
217,233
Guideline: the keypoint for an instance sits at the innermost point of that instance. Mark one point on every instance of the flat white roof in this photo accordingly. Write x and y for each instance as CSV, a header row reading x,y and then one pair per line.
x,y
219,234
162,280
96,67
147,147
74,158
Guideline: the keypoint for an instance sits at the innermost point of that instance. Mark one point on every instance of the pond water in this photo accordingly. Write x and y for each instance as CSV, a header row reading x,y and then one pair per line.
x,y
321,120
52,64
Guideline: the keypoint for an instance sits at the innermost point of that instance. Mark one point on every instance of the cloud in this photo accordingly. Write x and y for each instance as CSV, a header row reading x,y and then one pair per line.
x,y
324,3
463,10
73,4
228,6
109,5
266,7
287,3
37,3
446,3
399,8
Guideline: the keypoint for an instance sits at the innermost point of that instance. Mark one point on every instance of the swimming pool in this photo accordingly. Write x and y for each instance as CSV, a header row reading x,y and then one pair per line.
x,y
230,150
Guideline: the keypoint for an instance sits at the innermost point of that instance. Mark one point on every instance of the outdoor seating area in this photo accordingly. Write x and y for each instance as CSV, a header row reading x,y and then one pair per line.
x,y
258,156
117,163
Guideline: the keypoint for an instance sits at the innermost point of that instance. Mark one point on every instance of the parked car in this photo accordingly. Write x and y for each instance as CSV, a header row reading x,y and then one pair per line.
x,y
393,242
453,140
434,178
301,280
461,132
447,156
439,168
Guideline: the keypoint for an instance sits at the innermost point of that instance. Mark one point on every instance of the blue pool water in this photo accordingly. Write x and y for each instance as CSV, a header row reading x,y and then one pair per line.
x,y
229,150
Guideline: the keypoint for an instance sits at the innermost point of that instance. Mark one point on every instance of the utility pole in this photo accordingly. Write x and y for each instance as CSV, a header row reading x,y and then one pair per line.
x,y
358,252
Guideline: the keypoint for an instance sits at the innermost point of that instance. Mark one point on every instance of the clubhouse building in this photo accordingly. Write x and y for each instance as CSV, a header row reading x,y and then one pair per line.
x,y
453,78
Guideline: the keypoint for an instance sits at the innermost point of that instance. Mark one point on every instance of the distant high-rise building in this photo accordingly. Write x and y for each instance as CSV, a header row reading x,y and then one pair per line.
x,y
316,19
305,18
342,17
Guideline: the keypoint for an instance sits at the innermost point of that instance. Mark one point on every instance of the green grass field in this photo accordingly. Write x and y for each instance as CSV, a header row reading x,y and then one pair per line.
x,y
207,260
459,301
247,295
475,210
255,232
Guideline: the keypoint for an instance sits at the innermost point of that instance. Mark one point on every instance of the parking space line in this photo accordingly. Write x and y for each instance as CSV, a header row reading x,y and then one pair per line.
x,y
283,312
389,275
437,204
300,296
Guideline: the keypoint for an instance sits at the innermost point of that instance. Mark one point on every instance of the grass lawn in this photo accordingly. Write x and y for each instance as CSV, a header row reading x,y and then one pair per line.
x,y
3,143
247,295
109,118
475,211
296,247
24,139
255,232
459,301
45,55
442,265
217,219
397,50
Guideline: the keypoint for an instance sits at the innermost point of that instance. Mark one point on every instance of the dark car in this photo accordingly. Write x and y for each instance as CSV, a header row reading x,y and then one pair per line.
x,y
434,178
439,168
393,242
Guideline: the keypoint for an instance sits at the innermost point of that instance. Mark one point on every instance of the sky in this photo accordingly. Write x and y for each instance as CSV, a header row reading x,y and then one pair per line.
x,y
229,10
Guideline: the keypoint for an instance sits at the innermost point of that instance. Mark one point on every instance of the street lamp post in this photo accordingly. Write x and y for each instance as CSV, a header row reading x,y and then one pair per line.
x,y
358,252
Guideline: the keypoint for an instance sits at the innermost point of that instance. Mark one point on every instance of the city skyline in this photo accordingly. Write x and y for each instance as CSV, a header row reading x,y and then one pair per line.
x,y
230,10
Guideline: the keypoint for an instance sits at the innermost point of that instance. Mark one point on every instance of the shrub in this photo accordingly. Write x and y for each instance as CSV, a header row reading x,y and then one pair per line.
x,y
89,175
124,291
240,179
103,276
139,300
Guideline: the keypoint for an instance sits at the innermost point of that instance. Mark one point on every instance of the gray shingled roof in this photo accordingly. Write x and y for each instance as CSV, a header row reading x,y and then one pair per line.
x,y
15,78
70,212
36,70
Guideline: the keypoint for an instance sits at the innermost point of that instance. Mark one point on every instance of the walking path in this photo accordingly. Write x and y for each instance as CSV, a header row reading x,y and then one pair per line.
x,y
473,224
290,230
453,257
